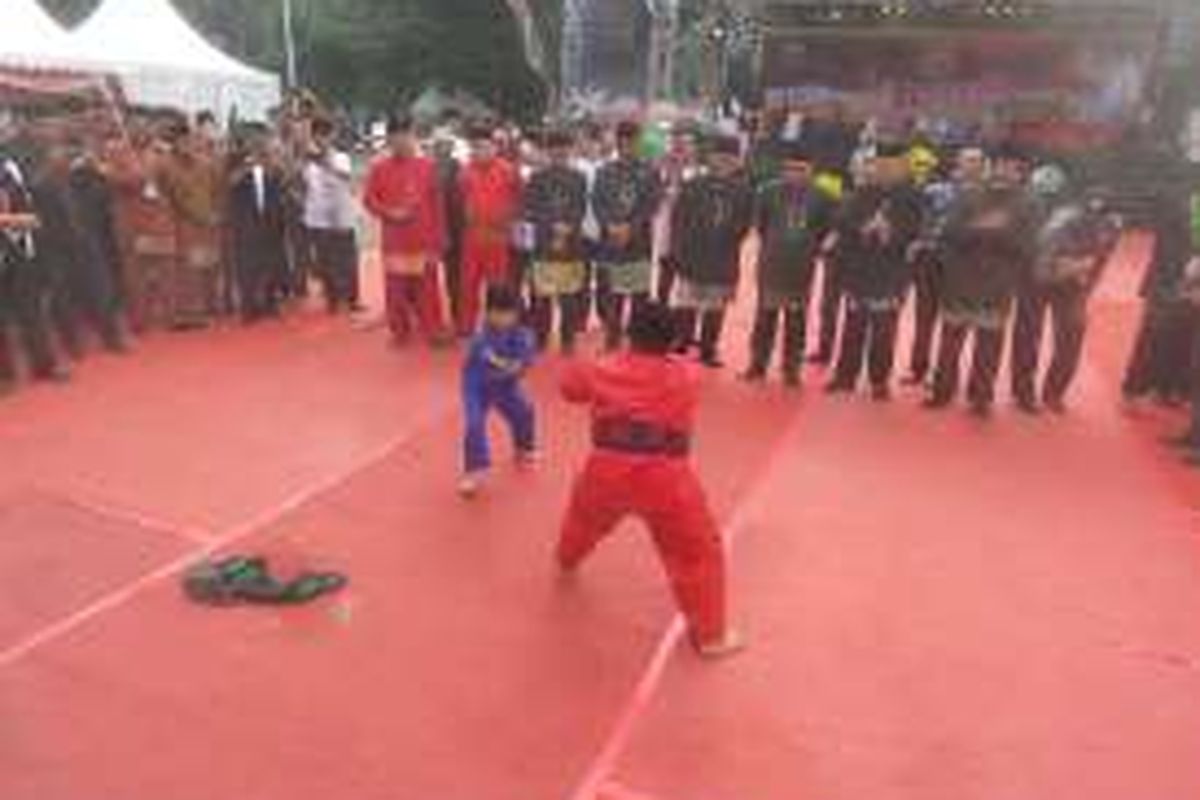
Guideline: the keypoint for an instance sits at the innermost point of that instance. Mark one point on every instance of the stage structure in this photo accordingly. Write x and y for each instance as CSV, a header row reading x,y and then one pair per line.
x,y
1066,75
605,47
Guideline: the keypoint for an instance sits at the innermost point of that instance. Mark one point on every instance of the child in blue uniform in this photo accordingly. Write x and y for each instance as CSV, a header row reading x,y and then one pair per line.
x,y
499,356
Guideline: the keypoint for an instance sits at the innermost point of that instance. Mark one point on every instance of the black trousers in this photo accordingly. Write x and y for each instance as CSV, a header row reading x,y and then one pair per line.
x,y
1067,305
1162,353
23,306
830,310
452,261
336,258
1194,432
711,324
255,289
985,362
927,307
870,337
82,296
572,313
616,311
766,331
665,283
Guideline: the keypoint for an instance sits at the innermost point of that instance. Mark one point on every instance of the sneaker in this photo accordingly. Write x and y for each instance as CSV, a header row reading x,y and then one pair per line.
x,y
838,387
754,375
881,393
470,485
935,403
820,359
792,380
712,361
730,644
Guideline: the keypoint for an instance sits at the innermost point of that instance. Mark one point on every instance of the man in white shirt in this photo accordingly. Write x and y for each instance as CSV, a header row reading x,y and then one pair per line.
x,y
330,214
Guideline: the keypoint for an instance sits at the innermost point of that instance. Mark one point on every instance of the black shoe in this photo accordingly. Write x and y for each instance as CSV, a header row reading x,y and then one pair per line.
x,y
1026,405
881,393
981,409
839,387
792,380
821,359
935,403
1055,405
754,375
1184,441
712,361
56,373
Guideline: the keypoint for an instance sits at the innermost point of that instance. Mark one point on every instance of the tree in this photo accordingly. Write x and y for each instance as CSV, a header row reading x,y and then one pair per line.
x,y
377,54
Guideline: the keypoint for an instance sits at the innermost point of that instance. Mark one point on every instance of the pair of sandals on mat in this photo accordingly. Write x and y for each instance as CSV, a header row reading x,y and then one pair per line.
x,y
247,580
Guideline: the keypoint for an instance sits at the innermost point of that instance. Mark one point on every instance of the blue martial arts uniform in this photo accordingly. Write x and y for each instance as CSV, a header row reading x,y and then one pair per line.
x,y
486,386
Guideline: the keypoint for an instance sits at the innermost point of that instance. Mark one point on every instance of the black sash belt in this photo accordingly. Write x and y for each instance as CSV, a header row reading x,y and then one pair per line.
x,y
640,438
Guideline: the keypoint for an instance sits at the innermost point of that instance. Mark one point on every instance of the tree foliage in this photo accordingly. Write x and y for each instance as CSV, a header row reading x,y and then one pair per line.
x,y
373,55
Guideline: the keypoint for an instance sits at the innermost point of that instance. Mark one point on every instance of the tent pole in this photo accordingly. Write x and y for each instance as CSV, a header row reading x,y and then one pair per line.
x,y
289,43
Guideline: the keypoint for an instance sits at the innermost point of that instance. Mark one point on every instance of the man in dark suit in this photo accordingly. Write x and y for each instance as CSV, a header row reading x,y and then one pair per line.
x,y
22,292
257,219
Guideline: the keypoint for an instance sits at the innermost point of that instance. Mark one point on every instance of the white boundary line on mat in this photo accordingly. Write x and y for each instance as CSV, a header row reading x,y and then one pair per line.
x,y
123,594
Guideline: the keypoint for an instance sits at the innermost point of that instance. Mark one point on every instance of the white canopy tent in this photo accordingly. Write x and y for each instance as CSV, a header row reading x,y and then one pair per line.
x,y
162,61
30,38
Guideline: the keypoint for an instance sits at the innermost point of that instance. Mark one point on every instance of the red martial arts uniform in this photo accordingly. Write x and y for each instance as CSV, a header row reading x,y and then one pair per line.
x,y
403,192
642,416
491,192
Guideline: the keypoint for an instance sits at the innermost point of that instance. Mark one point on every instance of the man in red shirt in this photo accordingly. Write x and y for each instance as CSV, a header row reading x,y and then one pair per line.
x,y
402,191
643,404
491,194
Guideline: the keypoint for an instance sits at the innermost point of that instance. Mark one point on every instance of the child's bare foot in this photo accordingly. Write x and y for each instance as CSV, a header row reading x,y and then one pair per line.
x,y
729,644
470,485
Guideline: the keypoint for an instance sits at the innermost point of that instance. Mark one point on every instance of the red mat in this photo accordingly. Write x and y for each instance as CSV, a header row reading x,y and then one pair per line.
x,y
936,608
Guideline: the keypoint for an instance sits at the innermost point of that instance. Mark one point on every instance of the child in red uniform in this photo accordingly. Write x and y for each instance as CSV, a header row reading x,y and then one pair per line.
x,y
643,403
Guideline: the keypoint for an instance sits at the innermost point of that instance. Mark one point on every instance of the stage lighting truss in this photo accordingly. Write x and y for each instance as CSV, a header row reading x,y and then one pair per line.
x,y
948,13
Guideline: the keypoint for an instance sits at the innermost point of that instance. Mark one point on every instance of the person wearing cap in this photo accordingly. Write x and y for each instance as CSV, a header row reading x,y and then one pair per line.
x,y
403,193
970,167
626,199
643,406
792,218
490,188
680,164
877,227
147,230
1158,365
82,294
1073,246
714,213
555,206
989,241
